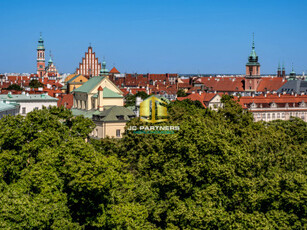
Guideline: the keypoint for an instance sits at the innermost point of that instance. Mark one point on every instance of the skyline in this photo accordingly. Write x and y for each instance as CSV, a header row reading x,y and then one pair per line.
x,y
193,37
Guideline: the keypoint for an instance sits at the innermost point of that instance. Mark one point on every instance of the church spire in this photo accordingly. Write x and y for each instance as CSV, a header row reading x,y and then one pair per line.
x,y
253,47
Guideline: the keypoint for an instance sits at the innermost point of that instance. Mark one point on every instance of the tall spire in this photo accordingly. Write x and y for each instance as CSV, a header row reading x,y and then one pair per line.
x,y
253,47
279,65
50,59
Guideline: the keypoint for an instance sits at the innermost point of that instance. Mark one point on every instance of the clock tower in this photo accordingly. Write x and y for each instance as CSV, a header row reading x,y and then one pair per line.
x,y
40,57
252,77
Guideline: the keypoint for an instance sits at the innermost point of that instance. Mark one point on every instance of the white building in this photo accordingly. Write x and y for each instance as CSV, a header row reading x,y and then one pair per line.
x,y
29,102
8,109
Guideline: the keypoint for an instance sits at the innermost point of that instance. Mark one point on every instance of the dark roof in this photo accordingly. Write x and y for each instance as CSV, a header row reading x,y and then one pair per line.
x,y
295,86
114,114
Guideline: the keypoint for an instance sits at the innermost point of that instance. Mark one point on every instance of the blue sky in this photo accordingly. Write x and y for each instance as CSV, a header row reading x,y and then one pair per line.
x,y
157,36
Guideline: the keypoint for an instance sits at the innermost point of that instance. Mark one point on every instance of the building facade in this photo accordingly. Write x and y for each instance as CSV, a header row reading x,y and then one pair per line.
x,y
29,102
102,101
89,65
271,107
43,70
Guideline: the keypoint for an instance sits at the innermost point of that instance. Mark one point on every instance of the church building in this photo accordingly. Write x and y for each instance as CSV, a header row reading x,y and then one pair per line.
x,y
252,78
89,65
102,101
43,70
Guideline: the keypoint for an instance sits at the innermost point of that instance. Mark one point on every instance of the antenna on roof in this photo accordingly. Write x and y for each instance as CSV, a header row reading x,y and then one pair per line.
x,y
90,44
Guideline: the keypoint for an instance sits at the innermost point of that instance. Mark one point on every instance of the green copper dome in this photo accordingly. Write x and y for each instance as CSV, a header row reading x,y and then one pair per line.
x,y
253,58
40,45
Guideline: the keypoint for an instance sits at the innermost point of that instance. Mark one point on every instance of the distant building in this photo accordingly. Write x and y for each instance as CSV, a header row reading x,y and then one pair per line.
x,y
7,108
72,82
271,107
29,102
102,101
89,65
295,86
43,70
252,78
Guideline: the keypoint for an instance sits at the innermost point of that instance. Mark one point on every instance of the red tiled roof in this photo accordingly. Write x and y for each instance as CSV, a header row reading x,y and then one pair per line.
x,y
270,84
66,101
114,70
270,98
193,97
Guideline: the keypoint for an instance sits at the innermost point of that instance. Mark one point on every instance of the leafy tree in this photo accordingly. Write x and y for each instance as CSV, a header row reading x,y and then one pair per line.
x,y
130,99
35,84
181,93
221,170
15,87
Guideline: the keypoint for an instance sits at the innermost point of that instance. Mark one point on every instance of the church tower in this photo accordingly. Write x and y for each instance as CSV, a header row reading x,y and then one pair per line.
x,y
278,70
252,71
40,57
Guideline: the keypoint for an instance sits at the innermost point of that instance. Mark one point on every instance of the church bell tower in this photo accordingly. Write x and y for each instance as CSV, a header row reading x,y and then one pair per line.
x,y
40,57
253,77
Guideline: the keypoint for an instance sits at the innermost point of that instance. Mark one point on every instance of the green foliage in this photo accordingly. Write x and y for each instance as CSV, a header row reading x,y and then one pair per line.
x,y
221,170
35,84
130,99
181,93
15,87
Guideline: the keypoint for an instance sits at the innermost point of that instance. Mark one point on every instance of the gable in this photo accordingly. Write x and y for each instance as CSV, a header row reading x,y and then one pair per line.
x,y
106,83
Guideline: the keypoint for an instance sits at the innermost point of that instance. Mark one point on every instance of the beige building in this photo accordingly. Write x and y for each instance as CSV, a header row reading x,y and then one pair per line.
x,y
102,101
72,82
271,107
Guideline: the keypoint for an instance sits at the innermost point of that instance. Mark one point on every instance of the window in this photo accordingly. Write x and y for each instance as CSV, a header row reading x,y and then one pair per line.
x,y
117,132
36,108
269,115
120,117
23,110
278,115
283,115
273,116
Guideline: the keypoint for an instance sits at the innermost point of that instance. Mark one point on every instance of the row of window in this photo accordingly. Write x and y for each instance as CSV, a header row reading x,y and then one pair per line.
x,y
279,115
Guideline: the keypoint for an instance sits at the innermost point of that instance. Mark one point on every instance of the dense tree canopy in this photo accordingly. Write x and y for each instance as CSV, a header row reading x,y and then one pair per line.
x,y
15,87
35,84
221,170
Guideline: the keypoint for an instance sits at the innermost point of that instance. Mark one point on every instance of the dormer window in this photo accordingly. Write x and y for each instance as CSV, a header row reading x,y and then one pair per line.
x,y
273,105
120,117
253,105
302,104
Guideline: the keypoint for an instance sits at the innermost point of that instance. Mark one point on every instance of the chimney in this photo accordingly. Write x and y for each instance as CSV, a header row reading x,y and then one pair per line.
x,y
100,98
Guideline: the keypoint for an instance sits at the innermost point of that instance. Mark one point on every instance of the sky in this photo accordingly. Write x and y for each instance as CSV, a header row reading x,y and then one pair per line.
x,y
155,36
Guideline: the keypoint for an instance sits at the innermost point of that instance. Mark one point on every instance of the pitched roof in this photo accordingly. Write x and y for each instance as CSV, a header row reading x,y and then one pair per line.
x,y
107,93
270,98
5,106
270,84
66,101
112,114
114,70
89,85
295,86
